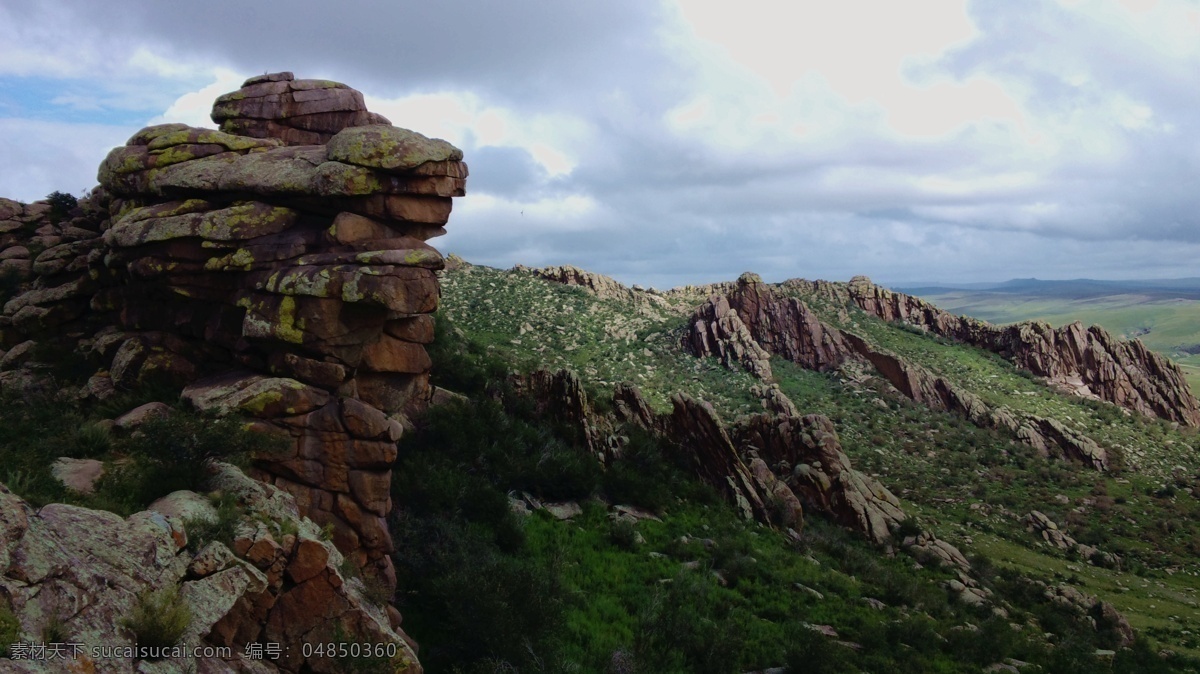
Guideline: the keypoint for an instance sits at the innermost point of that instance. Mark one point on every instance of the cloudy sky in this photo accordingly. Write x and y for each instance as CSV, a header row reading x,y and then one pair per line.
x,y
686,141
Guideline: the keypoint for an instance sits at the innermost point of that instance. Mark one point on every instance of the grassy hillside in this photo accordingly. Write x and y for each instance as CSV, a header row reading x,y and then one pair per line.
x,y
970,486
1168,325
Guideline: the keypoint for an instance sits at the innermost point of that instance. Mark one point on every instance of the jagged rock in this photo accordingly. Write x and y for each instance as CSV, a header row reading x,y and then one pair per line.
x,y
716,330
561,395
693,426
786,327
807,452
1122,372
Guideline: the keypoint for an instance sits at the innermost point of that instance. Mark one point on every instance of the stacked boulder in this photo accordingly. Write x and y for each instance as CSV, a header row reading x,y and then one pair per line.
x,y
51,266
296,250
277,267
298,112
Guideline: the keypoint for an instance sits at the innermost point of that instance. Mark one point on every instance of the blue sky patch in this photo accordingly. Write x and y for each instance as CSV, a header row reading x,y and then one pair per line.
x,y
78,101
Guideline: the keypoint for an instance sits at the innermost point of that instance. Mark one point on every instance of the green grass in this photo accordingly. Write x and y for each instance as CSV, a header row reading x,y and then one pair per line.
x,y
939,464
705,591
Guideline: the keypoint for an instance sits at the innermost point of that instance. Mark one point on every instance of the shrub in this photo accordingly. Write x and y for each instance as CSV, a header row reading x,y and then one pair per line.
x,y
61,205
201,532
158,619
173,453
690,628
55,631
623,534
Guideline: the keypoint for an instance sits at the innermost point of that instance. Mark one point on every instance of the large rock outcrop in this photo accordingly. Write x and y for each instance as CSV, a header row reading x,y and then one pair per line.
x,y
277,267
769,466
717,330
806,453
786,326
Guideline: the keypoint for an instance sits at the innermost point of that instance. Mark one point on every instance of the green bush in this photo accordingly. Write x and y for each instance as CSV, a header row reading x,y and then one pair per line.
x,y
201,532
158,619
689,628
468,601
623,534
175,452
810,652
61,205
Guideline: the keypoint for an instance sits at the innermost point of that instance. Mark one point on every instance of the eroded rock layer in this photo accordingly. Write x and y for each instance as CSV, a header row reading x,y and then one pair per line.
x,y
277,267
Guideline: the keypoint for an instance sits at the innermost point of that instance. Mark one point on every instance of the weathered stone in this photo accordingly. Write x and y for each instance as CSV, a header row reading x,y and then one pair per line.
x,y
141,414
389,354
78,475
389,148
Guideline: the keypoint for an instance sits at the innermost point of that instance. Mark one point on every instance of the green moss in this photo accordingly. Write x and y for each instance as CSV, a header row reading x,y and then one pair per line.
x,y
288,328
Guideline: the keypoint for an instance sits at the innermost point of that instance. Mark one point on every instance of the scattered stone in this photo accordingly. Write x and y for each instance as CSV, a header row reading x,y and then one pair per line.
x,y
78,475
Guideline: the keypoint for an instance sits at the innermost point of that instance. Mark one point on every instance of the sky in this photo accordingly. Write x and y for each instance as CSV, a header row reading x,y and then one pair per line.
x,y
668,142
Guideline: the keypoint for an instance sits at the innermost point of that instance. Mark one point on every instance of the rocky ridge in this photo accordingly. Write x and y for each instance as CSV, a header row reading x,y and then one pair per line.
x,y
647,303
768,465
1078,359
786,327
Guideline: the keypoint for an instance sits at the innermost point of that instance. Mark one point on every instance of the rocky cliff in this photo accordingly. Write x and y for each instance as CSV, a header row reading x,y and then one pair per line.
x,y
276,268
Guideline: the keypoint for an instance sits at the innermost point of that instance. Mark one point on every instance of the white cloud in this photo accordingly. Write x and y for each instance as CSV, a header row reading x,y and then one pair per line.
x,y
194,107
42,157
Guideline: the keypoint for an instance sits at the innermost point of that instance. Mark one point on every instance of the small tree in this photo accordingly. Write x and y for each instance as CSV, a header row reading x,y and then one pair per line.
x,y
61,205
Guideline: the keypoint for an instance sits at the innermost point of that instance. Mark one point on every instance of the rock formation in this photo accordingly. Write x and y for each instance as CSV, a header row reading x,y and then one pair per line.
x,y
805,452
736,328
716,330
84,570
277,267
770,466
298,112
786,327
1122,372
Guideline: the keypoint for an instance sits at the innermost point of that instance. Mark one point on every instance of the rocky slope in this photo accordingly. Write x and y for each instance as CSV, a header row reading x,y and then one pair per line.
x,y
279,582
786,327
